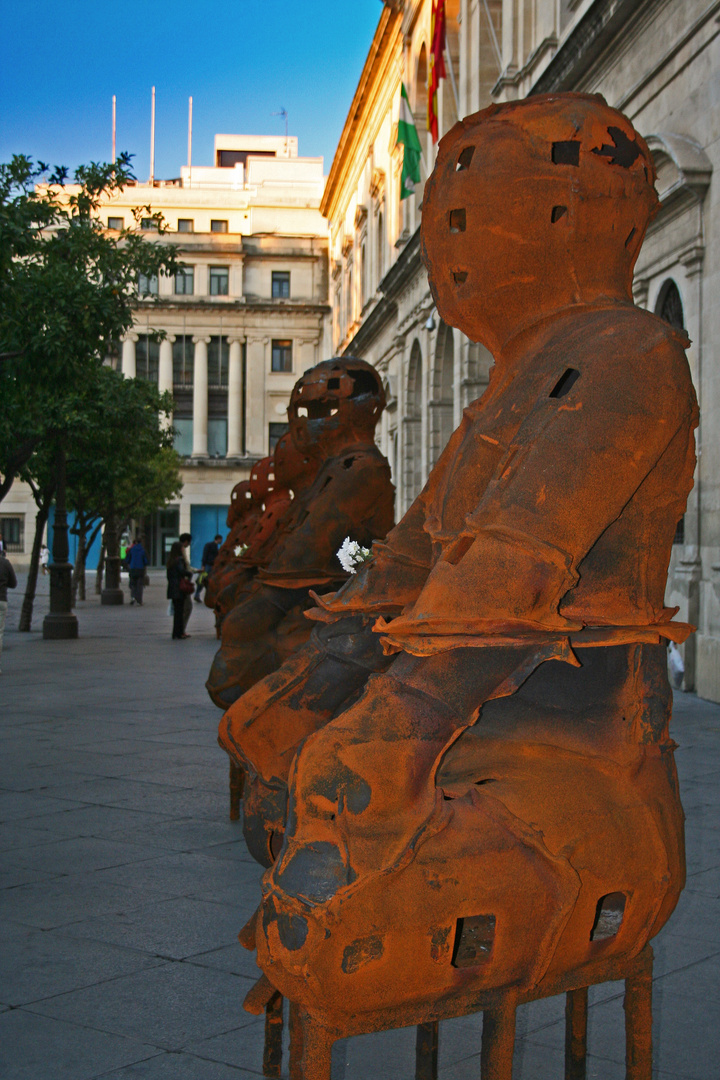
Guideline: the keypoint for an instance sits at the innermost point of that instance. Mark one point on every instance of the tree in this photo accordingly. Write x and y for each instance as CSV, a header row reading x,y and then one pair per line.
x,y
121,463
68,289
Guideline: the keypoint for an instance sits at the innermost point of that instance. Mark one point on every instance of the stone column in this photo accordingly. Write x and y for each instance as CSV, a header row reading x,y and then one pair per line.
x,y
234,443
128,356
257,366
200,397
165,373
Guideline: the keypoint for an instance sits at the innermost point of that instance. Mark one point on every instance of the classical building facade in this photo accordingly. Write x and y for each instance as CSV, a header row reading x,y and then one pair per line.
x,y
658,61
243,319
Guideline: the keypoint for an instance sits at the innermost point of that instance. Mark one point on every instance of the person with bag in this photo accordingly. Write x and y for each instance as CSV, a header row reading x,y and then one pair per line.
x,y
180,586
7,581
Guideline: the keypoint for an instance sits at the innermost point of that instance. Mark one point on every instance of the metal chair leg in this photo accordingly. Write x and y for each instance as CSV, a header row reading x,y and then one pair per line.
x,y
426,1051
272,1053
498,1042
638,1023
576,1006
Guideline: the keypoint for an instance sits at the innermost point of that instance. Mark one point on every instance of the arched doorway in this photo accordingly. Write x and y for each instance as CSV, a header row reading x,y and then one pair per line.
x,y
443,385
412,423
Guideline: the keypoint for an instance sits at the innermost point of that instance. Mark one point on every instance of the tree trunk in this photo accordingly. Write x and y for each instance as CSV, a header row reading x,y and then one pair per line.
x,y
79,567
26,612
100,568
82,579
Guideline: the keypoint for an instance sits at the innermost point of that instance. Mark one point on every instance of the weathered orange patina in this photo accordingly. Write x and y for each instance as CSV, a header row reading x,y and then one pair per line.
x,y
483,803
340,486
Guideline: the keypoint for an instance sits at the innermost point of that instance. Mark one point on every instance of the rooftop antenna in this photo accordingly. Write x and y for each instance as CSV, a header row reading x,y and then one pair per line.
x,y
114,156
189,142
152,139
282,111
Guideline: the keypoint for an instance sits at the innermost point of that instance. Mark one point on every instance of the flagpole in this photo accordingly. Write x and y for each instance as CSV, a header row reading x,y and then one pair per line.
x,y
493,35
448,57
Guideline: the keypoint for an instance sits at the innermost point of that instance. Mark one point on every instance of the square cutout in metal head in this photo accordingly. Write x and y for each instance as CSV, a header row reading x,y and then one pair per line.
x,y
474,936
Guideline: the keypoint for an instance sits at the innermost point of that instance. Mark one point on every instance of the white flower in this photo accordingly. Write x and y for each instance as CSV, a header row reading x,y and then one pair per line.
x,y
351,555
240,550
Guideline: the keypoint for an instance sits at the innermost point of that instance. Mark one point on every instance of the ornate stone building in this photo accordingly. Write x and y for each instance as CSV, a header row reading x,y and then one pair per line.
x,y
658,61
247,315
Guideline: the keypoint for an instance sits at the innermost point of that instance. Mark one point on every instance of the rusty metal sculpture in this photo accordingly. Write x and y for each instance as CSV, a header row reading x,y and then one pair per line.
x,y
341,486
486,811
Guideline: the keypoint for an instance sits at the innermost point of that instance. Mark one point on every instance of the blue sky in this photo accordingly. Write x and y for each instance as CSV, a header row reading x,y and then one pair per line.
x,y
60,64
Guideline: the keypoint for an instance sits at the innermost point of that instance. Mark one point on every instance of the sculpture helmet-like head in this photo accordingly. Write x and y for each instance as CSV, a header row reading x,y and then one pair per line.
x,y
294,469
334,404
262,479
240,502
532,206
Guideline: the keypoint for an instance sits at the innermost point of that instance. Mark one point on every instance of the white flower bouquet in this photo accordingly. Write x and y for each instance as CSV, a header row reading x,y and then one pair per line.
x,y
352,555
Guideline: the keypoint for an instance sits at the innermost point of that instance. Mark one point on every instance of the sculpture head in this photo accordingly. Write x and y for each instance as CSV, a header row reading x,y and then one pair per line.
x,y
240,502
262,479
294,470
533,206
335,404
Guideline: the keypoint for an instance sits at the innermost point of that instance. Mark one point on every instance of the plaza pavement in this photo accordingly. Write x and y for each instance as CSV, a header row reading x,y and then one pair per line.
x,y
123,885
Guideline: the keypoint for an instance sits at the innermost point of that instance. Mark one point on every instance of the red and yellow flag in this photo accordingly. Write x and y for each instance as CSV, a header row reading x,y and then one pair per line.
x,y
437,64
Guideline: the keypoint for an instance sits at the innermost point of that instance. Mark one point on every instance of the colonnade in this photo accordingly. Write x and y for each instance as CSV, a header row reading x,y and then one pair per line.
x,y
199,387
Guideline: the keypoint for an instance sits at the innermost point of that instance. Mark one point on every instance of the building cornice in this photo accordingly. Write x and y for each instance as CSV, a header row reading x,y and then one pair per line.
x,y
387,37
577,54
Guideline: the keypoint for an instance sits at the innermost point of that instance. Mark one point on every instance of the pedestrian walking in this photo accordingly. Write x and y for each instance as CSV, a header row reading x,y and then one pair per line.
x,y
137,564
7,581
44,558
185,541
177,573
2,545
209,555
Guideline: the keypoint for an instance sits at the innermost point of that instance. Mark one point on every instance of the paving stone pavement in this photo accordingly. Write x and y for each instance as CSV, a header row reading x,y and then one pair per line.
x,y
123,884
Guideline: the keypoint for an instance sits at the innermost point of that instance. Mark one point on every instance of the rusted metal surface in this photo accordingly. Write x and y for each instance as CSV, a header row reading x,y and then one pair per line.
x,y
327,480
500,780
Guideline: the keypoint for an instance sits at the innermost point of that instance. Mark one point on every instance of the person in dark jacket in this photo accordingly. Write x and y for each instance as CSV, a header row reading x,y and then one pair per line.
x,y
176,572
7,581
137,562
209,555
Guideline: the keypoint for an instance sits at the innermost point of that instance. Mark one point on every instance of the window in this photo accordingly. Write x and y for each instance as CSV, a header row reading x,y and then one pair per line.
x,y
113,355
147,286
281,285
183,441
282,356
217,437
149,224
276,432
186,224
218,361
218,225
147,358
219,280
183,357
13,532
116,223
185,281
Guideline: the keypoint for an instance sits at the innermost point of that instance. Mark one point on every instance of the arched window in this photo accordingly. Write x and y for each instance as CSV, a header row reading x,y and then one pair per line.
x,y
413,426
441,405
669,305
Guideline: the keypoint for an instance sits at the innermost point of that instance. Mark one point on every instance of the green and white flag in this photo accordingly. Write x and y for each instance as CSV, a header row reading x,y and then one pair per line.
x,y
409,139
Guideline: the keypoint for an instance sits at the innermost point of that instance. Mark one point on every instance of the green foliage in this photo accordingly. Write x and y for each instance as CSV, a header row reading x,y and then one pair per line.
x,y
68,288
120,460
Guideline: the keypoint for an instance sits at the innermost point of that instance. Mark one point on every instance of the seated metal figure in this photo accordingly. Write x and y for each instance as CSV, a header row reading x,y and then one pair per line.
x,y
242,515
482,791
272,497
334,409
